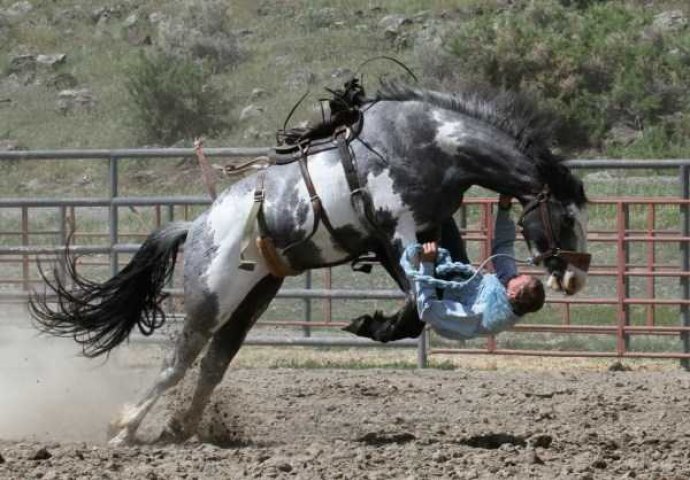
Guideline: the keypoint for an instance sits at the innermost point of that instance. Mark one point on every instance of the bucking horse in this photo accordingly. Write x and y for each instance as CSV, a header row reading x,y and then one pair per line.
x,y
374,176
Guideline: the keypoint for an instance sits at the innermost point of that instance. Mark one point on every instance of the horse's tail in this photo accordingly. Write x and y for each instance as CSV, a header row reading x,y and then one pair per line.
x,y
100,316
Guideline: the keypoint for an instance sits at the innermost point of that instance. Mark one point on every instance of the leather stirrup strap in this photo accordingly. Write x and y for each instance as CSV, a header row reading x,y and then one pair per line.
x,y
363,205
347,162
359,196
313,196
320,214
249,226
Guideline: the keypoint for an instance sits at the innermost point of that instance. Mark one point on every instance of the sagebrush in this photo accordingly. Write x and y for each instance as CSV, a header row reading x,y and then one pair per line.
x,y
172,100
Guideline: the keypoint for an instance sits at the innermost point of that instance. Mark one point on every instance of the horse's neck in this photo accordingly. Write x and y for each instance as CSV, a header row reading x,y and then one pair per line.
x,y
487,156
504,176
483,155
433,156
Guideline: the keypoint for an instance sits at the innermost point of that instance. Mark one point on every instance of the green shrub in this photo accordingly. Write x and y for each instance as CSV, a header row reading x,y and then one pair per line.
x,y
172,100
597,63
201,30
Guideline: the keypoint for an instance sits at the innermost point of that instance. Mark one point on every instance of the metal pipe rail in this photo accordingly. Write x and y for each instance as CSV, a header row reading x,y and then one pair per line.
x,y
23,243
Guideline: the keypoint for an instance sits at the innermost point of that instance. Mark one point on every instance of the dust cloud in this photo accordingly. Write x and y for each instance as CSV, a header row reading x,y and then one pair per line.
x,y
49,392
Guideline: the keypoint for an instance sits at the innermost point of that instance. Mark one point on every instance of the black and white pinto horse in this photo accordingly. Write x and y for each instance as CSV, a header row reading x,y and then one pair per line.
x,y
417,152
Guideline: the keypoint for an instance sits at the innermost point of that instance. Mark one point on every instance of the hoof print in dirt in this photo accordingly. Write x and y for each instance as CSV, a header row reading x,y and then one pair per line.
x,y
533,458
542,441
41,454
2,459
619,367
493,441
378,438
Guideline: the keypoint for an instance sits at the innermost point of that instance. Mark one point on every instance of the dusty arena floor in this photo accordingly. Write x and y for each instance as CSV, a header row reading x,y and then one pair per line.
x,y
399,424
490,417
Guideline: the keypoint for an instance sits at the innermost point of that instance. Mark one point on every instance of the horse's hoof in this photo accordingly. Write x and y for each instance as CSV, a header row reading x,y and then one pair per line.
x,y
123,439
166,436
173,432
124,417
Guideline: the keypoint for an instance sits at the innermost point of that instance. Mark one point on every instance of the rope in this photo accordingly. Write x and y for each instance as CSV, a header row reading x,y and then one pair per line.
x,y
446,267
257,163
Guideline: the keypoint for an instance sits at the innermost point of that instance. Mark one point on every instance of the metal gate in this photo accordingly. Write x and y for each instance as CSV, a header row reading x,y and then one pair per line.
x,y
635,306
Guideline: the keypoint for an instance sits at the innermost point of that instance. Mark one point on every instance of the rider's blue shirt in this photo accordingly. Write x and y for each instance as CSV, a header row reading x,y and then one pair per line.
x,y
462,314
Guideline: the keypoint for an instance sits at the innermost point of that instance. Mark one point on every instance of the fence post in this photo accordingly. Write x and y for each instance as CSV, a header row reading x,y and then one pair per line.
x,y
422,349
170,217
62,241
307,305
25,242
626,279
685,262
328,302
621,249
112,213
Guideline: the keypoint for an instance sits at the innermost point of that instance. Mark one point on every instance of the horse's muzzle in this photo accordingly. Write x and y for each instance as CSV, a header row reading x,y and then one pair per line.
x,y
568,270
578,260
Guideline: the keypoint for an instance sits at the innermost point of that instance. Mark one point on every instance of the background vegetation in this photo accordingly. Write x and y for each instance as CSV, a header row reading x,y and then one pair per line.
x,y
616,71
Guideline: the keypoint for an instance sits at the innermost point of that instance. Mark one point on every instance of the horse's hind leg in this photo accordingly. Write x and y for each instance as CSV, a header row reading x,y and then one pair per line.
x,y
190,342
222,349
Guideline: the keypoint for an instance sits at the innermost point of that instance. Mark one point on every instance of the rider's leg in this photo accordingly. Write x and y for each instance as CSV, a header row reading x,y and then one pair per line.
x,y
451,240
405,322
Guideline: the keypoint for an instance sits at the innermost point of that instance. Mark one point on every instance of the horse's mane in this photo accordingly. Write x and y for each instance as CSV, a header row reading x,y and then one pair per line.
x,y
510,112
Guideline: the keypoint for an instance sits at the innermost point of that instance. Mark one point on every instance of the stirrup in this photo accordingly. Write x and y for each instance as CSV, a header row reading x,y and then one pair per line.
x,y
247,265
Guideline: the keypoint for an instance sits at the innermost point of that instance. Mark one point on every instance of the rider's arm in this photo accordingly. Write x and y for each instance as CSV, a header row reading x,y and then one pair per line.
x,y
447,317
504,239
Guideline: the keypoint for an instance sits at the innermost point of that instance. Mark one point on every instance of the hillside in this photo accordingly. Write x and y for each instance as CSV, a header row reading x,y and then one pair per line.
x,y
618,71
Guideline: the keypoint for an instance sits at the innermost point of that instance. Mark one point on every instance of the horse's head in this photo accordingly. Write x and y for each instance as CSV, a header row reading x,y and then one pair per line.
x,y
555,231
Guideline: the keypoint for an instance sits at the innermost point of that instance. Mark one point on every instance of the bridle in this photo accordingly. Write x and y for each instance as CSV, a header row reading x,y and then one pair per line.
x,y
579,260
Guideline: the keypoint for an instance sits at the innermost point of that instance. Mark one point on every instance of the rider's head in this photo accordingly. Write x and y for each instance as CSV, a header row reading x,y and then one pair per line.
x,y
526,294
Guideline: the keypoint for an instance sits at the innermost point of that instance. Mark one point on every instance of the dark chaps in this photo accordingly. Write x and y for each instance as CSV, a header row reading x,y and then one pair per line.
x,y
405,323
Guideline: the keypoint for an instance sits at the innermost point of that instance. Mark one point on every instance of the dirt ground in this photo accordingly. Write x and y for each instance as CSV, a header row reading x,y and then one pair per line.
x,y
399,424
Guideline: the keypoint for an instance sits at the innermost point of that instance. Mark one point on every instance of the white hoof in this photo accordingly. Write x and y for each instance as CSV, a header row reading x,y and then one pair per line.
x,y
122,439
120,429
173,432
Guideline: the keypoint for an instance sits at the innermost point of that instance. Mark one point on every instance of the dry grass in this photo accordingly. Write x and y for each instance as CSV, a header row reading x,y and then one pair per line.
x,y
253,357
271,357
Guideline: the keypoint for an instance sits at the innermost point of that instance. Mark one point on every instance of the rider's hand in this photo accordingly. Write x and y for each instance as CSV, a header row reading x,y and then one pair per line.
x,y
429,252
505,202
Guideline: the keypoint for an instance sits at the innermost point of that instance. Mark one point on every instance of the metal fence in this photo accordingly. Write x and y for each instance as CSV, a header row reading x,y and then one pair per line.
x,y
639,281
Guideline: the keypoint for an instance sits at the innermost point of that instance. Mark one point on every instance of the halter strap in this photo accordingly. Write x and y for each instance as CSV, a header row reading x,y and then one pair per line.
x,y
580,260
541,202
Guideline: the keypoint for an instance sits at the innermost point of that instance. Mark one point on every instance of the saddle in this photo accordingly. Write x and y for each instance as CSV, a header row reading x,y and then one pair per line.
x,y
340,126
